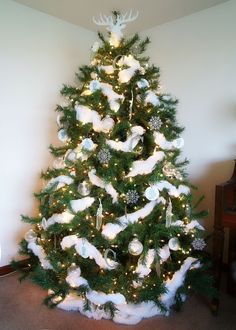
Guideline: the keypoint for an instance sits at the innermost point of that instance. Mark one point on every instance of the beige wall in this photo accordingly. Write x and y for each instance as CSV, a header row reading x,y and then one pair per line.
x,y
38,53
197,57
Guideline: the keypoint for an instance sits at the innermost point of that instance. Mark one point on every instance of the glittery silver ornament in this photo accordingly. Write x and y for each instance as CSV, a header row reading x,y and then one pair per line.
x,y
87,144
132,197
151,193
135,247
198,244
170,171
84,188
104,156
155,122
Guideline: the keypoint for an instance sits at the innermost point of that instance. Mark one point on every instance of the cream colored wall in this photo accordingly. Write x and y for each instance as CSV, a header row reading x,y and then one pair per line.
x,y
38,53
197,57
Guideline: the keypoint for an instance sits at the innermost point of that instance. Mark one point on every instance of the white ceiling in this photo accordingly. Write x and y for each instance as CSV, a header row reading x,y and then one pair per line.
x,y
151,12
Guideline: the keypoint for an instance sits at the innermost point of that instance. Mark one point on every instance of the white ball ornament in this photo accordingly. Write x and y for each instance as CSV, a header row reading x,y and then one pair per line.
x,y
174,244
135,247
152,193
62,135
87,144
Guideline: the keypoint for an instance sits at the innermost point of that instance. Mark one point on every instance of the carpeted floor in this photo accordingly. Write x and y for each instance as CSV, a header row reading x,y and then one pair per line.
x,y
21,309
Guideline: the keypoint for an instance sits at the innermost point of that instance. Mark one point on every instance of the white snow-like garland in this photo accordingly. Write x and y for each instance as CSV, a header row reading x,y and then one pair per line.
x,y
64,217
140,167
144,266
188,227
172,190
60,180
86,249
151,97
77,205
131,142
133,65
37,250
110,230
86,115
95,180
161,141
113,98
128,313
107,68
81,204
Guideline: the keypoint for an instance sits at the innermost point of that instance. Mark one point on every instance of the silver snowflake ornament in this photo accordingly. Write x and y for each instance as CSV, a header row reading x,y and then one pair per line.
x,y
198,244
132,197
104,156
155,122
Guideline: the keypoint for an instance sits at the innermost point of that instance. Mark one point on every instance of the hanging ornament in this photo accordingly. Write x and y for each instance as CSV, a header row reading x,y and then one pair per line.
x,y
132,197
104,156
158,268
84,188
59,163
84,251
169,214
198,244
174,244
62,135
155,123
136,284
70,155
142,83
110,263
59,116
131,105
170,171
99,216
135,247
152,193
30,236
115,62
87,144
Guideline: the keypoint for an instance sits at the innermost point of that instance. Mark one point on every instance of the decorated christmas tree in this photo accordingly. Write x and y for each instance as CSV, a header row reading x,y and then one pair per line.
x,y
117,235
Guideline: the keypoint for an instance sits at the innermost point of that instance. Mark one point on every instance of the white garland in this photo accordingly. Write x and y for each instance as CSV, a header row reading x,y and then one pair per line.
x,y
86,115
61,181
95,180
133,65
140,167
112,97
152,98
161,141
131,141
81,204
107,68
64,217
144,265
172,190
110,230
86,249
128,313
37,250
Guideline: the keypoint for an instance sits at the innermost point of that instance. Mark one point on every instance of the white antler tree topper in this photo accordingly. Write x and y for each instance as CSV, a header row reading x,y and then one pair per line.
x,y
115,26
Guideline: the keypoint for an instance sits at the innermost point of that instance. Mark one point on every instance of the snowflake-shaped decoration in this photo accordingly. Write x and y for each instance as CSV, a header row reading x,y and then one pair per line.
x,y
104,156
132,197
198,244
155,122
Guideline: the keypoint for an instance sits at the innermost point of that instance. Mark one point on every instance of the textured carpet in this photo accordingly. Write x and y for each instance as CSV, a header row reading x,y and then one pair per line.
x,y
21,309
